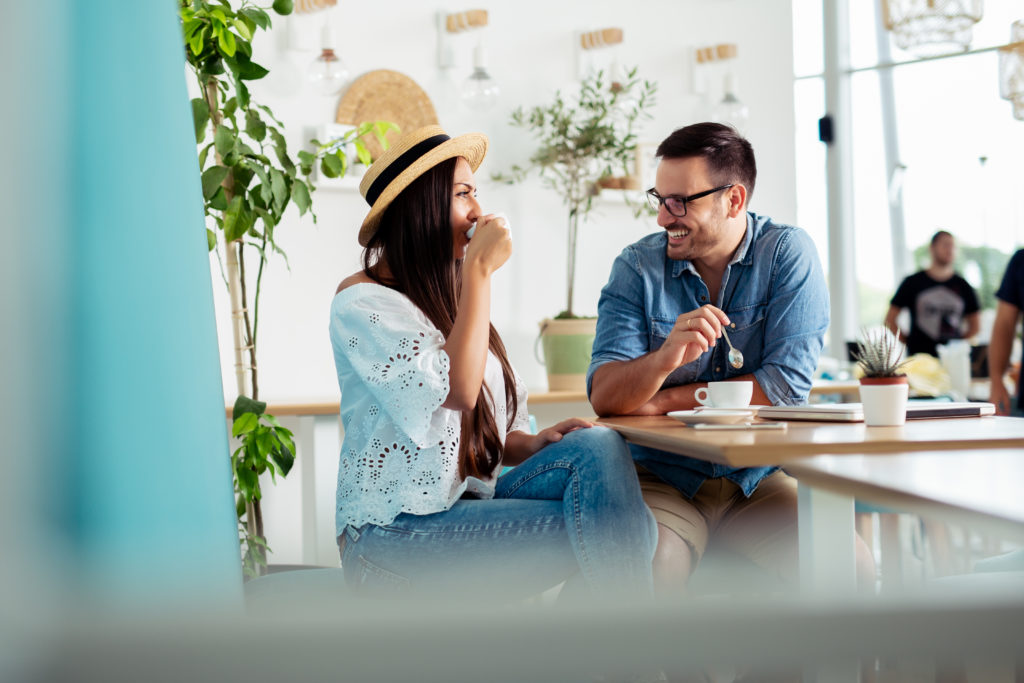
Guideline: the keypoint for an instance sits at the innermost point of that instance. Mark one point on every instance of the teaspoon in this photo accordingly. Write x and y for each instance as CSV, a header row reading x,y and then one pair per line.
x,y
735,355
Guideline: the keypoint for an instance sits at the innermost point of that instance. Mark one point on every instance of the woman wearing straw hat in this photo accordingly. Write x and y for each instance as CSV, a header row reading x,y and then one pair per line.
x,y
433,410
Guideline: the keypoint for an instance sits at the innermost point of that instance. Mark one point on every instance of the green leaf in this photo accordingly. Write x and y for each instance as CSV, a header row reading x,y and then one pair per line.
x,y
196,42
189,26
363,154
243,176
232,228
230,107
226,40
254,126
212,178
300,195
219,201
265,441
224,139
261,18
243,27
242,92
306,161
244,423
248,483
249,70
265,193
281,149
247,221
333,165
283,7
271,420
284,457
202,154
279,187
200,116
211,239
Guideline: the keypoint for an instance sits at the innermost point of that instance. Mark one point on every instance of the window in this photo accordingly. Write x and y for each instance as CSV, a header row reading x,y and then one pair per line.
x,y
958,148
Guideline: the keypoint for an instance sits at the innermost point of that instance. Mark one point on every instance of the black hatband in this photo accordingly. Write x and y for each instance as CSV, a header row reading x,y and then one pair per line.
x,y
403,162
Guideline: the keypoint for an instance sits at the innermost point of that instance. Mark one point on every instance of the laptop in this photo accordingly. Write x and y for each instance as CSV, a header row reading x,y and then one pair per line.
x,y
854,412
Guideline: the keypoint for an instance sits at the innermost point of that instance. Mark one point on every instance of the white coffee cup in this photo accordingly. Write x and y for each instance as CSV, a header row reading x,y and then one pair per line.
x,y
725,394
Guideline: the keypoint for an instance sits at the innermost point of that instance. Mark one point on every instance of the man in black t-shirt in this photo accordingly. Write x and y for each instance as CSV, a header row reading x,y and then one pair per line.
x,y
942,305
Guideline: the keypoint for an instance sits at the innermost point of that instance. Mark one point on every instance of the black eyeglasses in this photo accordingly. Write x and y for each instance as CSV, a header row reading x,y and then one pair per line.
x,y
677,205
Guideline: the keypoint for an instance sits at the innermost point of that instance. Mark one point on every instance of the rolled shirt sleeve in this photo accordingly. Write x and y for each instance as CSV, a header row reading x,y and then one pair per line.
x,y
622,332
795,322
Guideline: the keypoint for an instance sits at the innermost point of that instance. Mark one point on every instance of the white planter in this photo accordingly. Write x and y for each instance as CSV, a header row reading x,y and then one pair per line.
x,y
885,405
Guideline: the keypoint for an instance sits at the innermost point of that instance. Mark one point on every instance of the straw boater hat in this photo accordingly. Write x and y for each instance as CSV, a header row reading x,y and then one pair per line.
x,y
410,157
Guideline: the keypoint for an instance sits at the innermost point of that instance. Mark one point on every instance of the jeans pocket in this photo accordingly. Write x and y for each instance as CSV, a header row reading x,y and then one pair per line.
x,y
372,578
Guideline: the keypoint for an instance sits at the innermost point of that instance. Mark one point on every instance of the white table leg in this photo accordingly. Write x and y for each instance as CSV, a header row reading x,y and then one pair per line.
x,y
827,542
827,561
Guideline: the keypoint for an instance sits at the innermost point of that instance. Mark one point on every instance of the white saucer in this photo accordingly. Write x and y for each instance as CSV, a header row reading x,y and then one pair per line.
x,y
711,416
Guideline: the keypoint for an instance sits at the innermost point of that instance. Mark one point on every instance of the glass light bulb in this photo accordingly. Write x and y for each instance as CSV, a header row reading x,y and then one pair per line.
x,y
327,73
480,91
730,109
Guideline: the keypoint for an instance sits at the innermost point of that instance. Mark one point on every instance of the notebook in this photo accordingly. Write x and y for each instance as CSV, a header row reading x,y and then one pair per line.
x,y
854,412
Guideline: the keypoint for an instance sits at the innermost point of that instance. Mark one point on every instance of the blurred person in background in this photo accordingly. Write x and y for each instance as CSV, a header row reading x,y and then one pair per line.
x,y
942,305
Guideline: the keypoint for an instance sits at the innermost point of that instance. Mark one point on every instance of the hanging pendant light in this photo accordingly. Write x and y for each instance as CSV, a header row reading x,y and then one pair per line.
x,y
928,28
480,91
1011,70
730,109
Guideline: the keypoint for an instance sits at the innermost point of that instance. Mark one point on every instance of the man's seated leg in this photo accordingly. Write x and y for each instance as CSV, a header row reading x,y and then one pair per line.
x,y
764,528
682,534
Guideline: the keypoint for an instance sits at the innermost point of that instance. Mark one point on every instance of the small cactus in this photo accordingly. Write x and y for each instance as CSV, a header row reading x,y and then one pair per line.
x,y
879,352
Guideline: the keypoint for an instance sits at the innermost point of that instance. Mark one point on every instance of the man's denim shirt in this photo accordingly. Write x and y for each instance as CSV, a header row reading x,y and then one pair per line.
x,y
775,296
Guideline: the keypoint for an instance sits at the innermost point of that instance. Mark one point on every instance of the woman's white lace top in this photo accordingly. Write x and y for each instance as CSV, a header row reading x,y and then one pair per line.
x,y
400,451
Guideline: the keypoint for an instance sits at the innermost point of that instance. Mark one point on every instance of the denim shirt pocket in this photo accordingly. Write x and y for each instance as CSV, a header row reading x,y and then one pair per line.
x,y
685,374
747,334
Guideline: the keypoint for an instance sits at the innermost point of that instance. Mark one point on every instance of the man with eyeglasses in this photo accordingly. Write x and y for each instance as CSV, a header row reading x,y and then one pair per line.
x,y
713,265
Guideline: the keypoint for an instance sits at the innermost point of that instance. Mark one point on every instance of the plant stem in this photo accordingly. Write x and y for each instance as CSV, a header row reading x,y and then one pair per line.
x,y
574,218
250,340
239,317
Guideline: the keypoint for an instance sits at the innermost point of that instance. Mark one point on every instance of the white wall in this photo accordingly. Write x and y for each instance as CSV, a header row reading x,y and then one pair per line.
x,y
531,53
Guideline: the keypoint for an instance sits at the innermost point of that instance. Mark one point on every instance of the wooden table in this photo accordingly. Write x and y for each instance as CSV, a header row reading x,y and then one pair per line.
x,y
826,528
802,439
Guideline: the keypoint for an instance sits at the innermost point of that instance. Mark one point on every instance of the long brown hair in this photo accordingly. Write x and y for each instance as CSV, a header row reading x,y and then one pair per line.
x,y
414,239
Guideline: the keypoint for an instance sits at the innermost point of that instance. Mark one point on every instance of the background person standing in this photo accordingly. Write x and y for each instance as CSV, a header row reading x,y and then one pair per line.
x,y
942,305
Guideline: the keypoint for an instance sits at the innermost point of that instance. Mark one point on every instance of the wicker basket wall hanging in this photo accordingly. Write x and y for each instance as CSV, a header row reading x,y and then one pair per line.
x,y
385,95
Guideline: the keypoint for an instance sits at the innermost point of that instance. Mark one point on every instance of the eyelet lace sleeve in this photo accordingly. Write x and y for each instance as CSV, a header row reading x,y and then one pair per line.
x,y
401,446
397,354
521,421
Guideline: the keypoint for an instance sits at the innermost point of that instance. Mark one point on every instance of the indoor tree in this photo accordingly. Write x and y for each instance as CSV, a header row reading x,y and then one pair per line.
x,y
580,140
249,179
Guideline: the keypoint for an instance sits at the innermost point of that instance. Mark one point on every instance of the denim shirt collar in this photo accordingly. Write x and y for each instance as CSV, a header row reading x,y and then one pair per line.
x,y
743,254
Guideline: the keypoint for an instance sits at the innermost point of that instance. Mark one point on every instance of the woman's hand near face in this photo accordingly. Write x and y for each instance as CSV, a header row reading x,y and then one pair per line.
x,y
491,244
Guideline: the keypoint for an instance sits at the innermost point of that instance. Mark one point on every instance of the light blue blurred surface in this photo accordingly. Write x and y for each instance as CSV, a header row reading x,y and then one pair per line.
x,y
111,370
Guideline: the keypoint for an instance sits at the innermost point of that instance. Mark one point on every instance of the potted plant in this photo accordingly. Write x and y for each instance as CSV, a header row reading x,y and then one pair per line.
x,y
248,181
883,386
580,141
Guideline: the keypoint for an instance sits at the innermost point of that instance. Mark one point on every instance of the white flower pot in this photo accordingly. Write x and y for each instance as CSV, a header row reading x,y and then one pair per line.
x,y
884,400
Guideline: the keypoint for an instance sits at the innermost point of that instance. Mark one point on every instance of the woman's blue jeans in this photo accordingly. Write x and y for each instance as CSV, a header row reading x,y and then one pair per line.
x,y
574,507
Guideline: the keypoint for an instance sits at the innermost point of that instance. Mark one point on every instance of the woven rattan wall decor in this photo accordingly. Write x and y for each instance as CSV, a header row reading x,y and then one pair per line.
x,y
385,95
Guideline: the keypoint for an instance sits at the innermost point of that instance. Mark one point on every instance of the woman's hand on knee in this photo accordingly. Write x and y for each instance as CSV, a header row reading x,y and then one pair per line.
x,y
554,433
519,445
